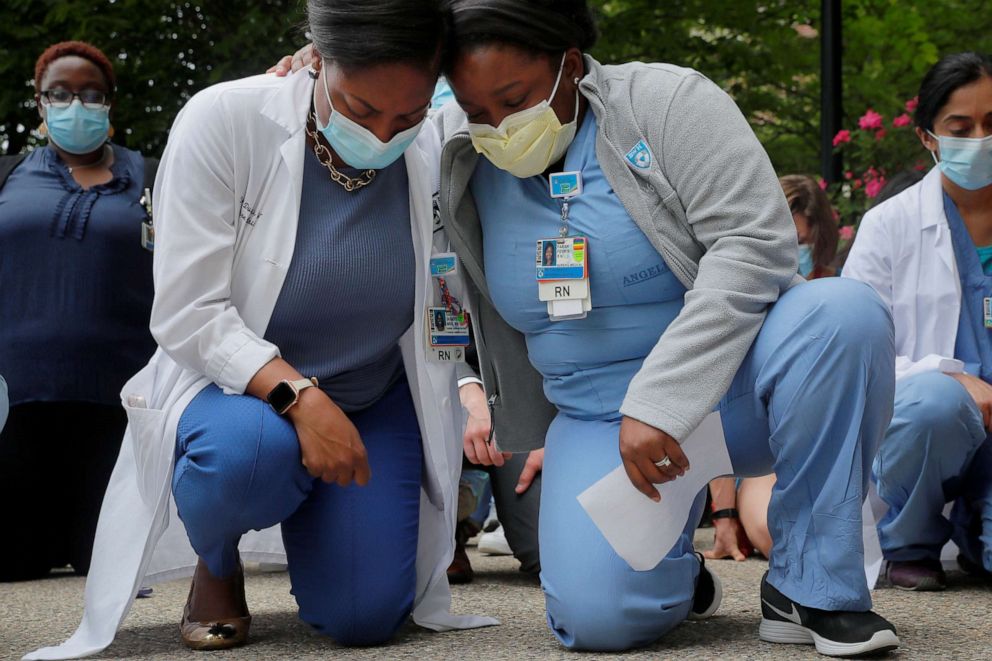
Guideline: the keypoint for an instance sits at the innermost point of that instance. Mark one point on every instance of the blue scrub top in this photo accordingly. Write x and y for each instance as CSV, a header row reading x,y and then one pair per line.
x,y
973,345
587,364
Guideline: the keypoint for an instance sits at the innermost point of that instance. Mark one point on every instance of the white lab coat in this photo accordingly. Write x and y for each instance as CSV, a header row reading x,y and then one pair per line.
x,y
903,250
227,203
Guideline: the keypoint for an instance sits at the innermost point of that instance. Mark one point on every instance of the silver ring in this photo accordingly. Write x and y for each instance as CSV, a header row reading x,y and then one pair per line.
x,y
664,463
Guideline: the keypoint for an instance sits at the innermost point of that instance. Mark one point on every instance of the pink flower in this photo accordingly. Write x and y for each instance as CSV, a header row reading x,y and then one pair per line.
x,y
870,121
874,187
842,137
848,175
823,184
846,233
857,184
879,134
901,120
912,103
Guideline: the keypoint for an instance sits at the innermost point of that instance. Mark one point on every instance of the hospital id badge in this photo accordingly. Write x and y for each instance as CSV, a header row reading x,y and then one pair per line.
x,y
446,328
562,258
148,236
444,264
565,184
987,305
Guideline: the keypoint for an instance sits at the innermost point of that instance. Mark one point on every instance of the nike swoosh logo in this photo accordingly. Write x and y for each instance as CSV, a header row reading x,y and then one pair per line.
x,y
792,617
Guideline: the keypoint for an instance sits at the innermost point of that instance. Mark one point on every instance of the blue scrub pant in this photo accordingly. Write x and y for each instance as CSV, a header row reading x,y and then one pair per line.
x,y
936,451
811,401
351,551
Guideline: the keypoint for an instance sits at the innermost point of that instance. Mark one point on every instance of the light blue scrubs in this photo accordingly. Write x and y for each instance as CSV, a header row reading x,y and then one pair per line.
x,y
796,406
937,449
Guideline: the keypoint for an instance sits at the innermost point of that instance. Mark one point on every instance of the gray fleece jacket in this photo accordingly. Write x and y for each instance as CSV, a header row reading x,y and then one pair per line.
x,y
690,172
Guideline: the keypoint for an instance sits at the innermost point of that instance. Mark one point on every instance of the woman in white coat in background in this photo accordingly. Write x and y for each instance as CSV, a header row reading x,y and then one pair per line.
x,y
928,253
284,251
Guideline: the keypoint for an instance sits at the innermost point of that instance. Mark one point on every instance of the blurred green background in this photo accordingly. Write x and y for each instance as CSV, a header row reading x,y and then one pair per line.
x,y
765,54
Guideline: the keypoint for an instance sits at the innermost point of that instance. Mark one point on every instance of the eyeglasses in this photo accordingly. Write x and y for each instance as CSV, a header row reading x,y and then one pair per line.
x,y
62,98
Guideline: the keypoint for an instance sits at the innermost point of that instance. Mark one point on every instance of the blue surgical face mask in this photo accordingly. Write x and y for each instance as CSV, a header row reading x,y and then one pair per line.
x,y
965,161
805,259
357,146
77,129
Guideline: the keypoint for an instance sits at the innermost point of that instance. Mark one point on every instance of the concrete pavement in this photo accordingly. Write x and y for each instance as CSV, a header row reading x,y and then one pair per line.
x,y
956,624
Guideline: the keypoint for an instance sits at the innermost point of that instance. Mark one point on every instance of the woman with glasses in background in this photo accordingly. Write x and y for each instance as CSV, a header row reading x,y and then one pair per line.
x,y
75,304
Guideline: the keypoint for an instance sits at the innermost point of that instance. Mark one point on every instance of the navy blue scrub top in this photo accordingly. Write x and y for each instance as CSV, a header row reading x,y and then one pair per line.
x,y
75,283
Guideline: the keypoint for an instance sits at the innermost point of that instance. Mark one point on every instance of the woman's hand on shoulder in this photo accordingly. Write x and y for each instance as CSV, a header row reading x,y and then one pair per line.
x,y
641,448
330,445
293,63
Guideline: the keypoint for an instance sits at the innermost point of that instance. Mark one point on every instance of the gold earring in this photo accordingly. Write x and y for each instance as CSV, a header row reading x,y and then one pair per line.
x,y
110,131
43,129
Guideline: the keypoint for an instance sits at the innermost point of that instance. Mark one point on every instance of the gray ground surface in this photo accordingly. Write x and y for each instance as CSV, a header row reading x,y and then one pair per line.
x,y
956,624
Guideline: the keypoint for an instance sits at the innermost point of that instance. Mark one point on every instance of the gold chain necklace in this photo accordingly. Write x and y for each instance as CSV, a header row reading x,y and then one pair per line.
x,y
323,154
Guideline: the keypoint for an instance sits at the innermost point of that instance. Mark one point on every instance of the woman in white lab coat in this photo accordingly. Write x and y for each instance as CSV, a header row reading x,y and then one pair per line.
x,y
278,260
928,253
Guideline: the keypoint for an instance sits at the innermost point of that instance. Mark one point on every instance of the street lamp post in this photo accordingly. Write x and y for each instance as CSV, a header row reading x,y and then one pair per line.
x,y
831,109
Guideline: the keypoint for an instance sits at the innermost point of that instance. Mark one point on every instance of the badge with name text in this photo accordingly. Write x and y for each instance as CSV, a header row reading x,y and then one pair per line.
x,y
987,304
446,328
562,259
565,184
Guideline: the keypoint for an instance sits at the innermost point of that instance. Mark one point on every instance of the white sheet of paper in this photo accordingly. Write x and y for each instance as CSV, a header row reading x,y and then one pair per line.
x,y
641,531
872,547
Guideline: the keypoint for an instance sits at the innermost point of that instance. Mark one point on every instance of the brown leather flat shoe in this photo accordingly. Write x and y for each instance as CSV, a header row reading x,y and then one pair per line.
x,y
219,634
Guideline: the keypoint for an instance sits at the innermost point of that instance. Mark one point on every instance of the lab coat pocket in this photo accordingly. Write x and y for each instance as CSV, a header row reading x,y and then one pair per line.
x,y
152,455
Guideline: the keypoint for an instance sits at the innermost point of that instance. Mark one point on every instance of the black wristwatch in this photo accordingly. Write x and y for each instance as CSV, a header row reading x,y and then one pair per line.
x,y
729,513
287,393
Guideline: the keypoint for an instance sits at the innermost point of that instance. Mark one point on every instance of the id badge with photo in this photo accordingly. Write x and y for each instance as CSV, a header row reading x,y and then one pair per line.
x,y
562,258
446,328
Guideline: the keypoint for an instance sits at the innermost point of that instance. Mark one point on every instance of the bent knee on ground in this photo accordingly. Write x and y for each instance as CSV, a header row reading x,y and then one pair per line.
x,y
359,626
600,626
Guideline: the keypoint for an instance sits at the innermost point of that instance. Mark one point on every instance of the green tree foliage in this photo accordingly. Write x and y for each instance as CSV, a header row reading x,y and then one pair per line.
x,y
163,52
765,53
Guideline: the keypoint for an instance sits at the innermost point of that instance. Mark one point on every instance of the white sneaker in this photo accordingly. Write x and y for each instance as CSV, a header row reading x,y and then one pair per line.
x,y
494,543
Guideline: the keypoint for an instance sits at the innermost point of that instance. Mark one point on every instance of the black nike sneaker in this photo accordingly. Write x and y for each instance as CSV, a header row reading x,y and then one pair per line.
x,y
709,593
834,633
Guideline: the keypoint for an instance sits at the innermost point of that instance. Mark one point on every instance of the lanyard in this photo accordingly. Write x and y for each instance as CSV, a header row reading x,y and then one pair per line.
x,y
450,302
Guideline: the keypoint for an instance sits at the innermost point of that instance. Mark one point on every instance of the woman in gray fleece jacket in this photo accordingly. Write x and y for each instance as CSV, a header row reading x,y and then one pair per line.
x,y
685,299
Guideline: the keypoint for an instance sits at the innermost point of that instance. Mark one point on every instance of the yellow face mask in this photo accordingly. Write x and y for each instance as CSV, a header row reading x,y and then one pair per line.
x,y
527,142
